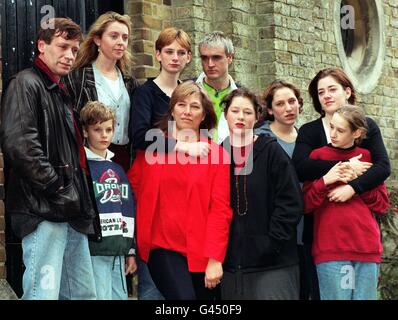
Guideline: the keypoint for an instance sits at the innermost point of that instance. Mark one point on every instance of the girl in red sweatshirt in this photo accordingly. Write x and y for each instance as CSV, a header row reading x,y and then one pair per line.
x,y
347,245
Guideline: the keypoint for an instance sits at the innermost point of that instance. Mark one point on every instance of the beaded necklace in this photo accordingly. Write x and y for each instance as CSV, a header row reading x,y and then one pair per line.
x,y
238,196
247,150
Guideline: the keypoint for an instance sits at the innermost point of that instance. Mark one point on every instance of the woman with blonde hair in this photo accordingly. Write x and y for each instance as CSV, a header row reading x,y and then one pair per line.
x,y
103,72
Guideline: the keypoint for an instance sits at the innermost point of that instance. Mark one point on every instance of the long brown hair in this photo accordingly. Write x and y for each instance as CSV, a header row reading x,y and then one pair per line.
x,y
89,50
182,91
338,75
268,96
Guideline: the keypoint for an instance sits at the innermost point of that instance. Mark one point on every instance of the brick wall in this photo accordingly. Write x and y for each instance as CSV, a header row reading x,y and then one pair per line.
x,y
149,17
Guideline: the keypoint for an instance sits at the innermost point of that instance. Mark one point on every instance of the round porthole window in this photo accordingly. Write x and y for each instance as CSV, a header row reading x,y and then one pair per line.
x,y
360,37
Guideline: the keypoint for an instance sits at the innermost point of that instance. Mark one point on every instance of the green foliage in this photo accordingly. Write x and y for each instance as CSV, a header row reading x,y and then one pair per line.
x,y
388,285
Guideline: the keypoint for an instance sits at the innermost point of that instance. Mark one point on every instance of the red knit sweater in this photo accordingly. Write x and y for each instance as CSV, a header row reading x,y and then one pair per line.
x,y
183,207
348,230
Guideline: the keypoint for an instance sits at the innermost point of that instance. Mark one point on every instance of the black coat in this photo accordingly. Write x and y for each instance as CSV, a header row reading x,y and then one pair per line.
x,y
265,237
149,105
42,154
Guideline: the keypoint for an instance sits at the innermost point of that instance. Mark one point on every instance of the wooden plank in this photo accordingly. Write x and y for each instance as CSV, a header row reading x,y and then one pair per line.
x,y
21,34
63,8
31,31
91,12
72,11
110,5
11,64
3,37
81,14
56,7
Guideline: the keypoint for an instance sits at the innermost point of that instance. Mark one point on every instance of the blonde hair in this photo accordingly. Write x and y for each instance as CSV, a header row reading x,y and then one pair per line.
x,y
95,112
355,116
89,50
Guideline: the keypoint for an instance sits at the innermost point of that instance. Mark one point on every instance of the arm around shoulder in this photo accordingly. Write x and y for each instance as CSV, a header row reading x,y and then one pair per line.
x,y
380,169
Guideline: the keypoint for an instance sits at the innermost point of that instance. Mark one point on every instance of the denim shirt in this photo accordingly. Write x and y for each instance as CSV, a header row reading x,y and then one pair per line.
x,y
120,104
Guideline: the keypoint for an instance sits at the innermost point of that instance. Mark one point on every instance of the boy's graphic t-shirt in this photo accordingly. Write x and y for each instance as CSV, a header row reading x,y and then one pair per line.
x,y
115,204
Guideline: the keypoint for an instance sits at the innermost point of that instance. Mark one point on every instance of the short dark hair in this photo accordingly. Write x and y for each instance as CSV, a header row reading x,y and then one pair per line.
x,y
340,76
245,93
64,27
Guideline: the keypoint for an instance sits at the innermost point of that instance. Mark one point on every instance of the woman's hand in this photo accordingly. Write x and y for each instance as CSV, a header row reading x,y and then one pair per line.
x,y
341,193
130,265
213,273
359,166
193,149
337,173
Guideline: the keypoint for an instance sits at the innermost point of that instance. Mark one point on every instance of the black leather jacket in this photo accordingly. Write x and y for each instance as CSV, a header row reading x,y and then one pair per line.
x,y
38,140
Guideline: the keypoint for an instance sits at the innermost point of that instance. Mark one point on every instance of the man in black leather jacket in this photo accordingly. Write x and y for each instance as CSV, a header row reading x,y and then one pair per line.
x,y
47,193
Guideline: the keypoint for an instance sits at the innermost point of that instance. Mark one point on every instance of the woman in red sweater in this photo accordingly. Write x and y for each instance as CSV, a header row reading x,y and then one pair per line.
x,y
183,202
347,246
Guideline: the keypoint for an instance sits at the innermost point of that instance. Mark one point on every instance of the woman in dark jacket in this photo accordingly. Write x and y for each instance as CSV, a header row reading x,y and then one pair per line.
x,y
103,72
262,260
152,99
329,90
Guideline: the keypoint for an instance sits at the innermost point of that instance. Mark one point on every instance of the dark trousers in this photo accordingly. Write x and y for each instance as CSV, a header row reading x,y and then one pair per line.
x,y
275,284
169,271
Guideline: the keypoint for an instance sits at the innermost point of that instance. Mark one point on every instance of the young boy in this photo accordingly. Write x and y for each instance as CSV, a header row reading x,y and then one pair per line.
x,y
114,256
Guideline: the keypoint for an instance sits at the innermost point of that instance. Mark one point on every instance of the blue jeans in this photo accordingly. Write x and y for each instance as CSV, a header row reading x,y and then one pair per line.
x,y
110,281
58,264
146,287
348,280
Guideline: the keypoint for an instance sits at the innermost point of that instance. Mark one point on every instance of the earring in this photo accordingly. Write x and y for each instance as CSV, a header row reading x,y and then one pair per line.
x,y
99,49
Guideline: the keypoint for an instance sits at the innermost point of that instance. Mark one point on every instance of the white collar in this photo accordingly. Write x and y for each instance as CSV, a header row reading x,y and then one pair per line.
x,y
93,156
232,83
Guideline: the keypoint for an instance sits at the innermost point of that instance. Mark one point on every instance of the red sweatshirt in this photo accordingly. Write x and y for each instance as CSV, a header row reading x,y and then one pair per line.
x,y
183,207
348,230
